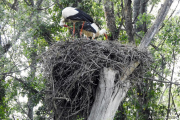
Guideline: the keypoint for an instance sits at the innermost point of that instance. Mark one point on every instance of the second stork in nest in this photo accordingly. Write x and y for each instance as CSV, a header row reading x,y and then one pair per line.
x,y
92,30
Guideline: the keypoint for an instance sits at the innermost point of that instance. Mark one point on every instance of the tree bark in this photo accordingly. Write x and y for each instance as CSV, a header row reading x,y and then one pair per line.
x,y
139,7
109,15
128,20
155,27
108,96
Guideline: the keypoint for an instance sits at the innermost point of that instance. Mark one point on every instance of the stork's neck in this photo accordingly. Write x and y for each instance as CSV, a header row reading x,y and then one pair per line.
x,y
101,32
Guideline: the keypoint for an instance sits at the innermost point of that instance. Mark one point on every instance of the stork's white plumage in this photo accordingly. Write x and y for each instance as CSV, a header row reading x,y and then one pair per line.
x,y
92,30
70,14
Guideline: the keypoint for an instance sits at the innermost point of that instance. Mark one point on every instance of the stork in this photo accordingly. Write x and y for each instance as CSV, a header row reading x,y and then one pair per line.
x,y
92,30
70,14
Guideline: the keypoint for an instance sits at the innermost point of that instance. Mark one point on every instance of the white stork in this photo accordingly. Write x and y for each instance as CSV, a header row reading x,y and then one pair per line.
x,y
92,30
70,14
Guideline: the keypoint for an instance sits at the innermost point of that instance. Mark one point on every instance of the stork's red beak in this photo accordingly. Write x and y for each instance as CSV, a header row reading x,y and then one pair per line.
x,y
67,26
106,36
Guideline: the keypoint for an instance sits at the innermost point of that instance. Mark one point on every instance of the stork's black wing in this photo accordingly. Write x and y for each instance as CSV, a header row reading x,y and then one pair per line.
x,y
85,16
87,26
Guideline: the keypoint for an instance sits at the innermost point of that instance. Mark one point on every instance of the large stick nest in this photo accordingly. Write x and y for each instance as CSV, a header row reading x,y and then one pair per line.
x,y
72,70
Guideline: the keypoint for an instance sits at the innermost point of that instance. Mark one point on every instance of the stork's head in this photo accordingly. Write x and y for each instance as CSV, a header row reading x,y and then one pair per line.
x,y
62,23
103,31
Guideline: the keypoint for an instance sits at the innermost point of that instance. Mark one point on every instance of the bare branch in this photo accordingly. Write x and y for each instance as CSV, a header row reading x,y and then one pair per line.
x,y
169,102
13,6
155,27
162,81
32,2
174,105
27,2
38,3
60,98
174,10
25,84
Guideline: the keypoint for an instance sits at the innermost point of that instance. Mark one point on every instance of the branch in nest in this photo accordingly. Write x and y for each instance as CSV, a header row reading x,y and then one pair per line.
x,y
60,98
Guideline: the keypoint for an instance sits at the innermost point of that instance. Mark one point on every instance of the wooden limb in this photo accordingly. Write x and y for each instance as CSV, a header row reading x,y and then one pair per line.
x,y
110,18
170,86
13,6
128,70
155,27
38,3
108,96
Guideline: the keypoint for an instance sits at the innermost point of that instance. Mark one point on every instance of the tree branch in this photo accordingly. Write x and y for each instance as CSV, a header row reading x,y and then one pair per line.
x,y
38,3
175,83
25,84
174,105
13,6
155,27
169,102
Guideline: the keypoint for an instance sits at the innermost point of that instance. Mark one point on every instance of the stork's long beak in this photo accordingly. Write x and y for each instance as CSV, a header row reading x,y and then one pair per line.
x,y
67,26
106,36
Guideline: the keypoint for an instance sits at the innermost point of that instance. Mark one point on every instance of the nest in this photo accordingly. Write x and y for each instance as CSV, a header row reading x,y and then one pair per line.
x,y
72,70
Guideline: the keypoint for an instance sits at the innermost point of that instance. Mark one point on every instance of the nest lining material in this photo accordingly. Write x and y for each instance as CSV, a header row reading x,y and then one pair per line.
x,y
72,70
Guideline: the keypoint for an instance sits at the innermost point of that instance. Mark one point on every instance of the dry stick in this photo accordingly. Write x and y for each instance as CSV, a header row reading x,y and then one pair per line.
x,y
174,105
22,108
161,81
171,14
162,94
169,102
174,10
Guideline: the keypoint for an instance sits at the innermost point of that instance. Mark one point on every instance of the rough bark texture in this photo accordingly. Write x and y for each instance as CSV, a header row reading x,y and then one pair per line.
x,y
155,27
139,7
111,24
128,20
108,96
136,7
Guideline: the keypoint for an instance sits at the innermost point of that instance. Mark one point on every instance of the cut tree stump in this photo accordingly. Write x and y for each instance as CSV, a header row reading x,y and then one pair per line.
x,y
108,95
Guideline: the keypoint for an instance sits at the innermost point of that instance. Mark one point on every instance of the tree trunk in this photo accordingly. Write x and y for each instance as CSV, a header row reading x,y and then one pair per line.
x,y
111,24
108,95
139,7
128,20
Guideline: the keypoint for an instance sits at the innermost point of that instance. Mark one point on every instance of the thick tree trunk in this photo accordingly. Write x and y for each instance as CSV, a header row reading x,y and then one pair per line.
x,y
128,20
139,7
111,24
108,95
